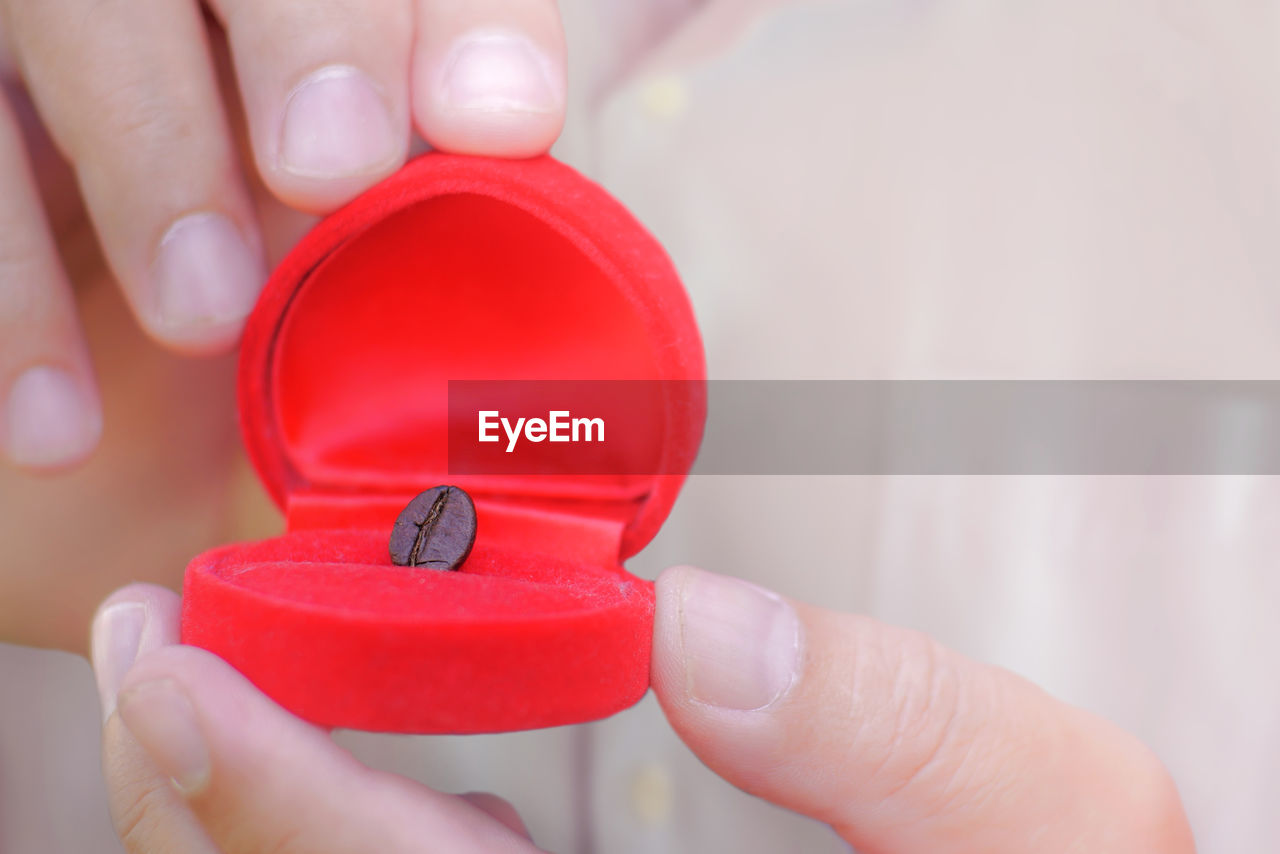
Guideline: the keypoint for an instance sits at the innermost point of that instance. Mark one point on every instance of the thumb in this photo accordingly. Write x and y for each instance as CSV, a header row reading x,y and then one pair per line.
x,y
198,760
901,745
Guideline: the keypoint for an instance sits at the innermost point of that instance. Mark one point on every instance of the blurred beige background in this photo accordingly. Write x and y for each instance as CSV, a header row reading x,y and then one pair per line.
x,y
911,189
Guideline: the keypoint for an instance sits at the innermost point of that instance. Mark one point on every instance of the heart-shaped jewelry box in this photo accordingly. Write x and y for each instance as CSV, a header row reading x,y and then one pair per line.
x,y
453,268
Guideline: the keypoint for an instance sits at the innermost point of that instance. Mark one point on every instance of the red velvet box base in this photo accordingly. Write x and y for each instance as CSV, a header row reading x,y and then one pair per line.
x,y
530,272
331,630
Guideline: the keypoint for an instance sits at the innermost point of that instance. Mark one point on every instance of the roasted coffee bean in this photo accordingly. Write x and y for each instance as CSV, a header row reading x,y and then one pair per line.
x,y
436,530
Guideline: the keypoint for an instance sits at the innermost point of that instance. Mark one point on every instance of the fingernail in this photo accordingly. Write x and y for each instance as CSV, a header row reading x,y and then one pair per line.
x,y
160,716
741,642
206,275
51,419
497,71
117,640
337,124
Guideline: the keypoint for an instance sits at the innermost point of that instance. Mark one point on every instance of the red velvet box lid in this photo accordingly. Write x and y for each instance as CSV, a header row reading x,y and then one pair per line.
x,y
454,268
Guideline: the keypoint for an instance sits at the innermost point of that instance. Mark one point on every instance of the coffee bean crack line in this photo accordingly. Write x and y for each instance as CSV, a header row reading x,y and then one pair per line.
x,y
428,526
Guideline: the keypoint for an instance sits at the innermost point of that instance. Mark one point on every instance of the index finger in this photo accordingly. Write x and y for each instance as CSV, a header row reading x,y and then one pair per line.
x,y
50,414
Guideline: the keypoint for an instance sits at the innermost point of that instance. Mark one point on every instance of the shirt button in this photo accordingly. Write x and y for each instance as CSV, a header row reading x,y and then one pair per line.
x,y
651,794
665,97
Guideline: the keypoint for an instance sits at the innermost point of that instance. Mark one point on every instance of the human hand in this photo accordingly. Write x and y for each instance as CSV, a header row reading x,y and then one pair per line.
x,y
129,92
900,745
198,761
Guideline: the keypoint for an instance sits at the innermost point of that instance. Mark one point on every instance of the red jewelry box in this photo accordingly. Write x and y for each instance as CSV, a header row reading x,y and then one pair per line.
x,y
453,268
